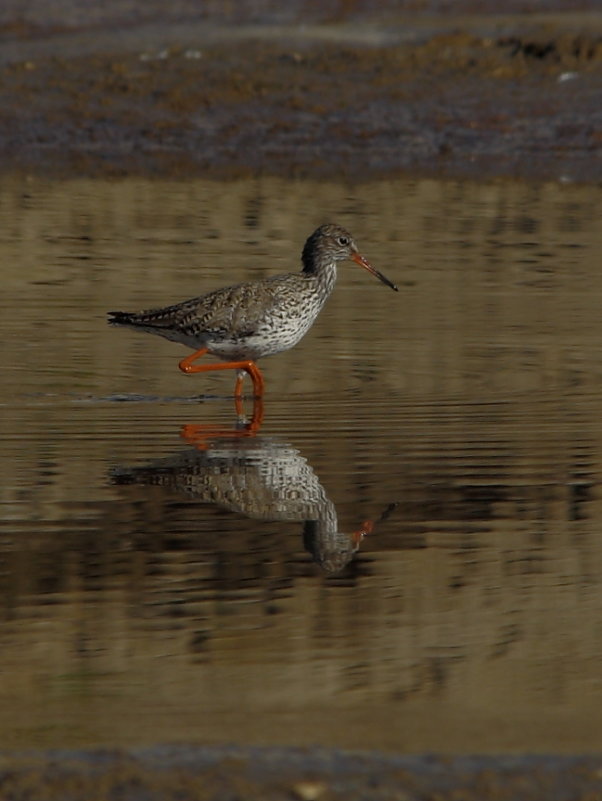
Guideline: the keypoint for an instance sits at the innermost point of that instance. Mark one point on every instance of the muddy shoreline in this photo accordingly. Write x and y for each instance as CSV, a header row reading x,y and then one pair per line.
x,y
465,96
189,772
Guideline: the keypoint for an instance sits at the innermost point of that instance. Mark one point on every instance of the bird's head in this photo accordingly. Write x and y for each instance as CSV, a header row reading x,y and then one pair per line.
x,y
330,243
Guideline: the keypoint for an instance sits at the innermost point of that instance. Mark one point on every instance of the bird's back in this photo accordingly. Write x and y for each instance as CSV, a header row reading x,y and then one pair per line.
x,y
248,320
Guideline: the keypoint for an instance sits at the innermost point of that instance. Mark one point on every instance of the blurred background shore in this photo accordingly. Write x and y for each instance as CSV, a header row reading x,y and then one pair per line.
x,y
337,90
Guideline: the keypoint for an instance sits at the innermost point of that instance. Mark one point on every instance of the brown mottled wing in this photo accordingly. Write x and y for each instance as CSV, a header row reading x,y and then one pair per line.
x,y
232,311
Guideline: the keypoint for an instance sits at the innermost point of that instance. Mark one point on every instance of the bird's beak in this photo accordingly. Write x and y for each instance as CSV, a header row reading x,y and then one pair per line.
x,y
359,259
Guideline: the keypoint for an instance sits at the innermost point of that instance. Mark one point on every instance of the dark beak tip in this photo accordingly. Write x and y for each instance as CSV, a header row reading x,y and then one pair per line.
x,y
359,259
386,281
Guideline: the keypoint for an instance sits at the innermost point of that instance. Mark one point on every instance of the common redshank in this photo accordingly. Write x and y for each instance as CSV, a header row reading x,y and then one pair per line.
x,y
242,323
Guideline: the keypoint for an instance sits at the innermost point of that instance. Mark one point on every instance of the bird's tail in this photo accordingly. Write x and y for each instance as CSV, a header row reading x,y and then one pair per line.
x,y
123,318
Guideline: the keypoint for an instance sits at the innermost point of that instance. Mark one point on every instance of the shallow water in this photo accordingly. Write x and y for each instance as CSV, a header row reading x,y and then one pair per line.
x,y
166,575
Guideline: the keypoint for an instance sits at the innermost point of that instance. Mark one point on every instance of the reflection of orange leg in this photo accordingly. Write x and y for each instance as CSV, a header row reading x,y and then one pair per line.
x,y
257,419
187,366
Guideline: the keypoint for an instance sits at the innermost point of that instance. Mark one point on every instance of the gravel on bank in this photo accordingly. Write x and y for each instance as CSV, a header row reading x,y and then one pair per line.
x,y
475,96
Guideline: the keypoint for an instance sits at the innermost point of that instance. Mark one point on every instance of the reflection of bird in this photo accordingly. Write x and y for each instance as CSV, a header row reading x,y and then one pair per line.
x,y
262,478
240,324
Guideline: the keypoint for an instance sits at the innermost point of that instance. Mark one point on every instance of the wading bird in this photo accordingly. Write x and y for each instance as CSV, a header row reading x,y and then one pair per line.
x,y
240,324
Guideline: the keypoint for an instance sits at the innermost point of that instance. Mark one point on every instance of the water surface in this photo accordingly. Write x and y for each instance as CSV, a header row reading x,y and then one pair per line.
x,y
406,556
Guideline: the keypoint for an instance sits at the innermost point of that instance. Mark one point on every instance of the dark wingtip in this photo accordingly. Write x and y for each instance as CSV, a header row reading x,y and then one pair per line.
x,y
117,317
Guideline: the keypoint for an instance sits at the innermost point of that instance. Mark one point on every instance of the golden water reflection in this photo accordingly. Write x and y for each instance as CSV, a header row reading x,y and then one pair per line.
x,y
157,588
262,478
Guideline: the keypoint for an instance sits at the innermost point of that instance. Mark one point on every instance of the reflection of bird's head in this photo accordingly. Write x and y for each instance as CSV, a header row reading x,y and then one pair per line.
x,y
331,549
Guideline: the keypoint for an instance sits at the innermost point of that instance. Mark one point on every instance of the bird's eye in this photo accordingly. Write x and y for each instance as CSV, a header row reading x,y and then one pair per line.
x,y
343,240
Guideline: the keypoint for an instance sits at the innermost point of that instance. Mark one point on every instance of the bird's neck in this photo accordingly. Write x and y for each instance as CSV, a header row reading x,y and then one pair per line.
x,y
323,272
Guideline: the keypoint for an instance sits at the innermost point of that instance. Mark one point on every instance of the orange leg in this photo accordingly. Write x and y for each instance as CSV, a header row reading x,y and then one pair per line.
x,y
187,366
201,435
